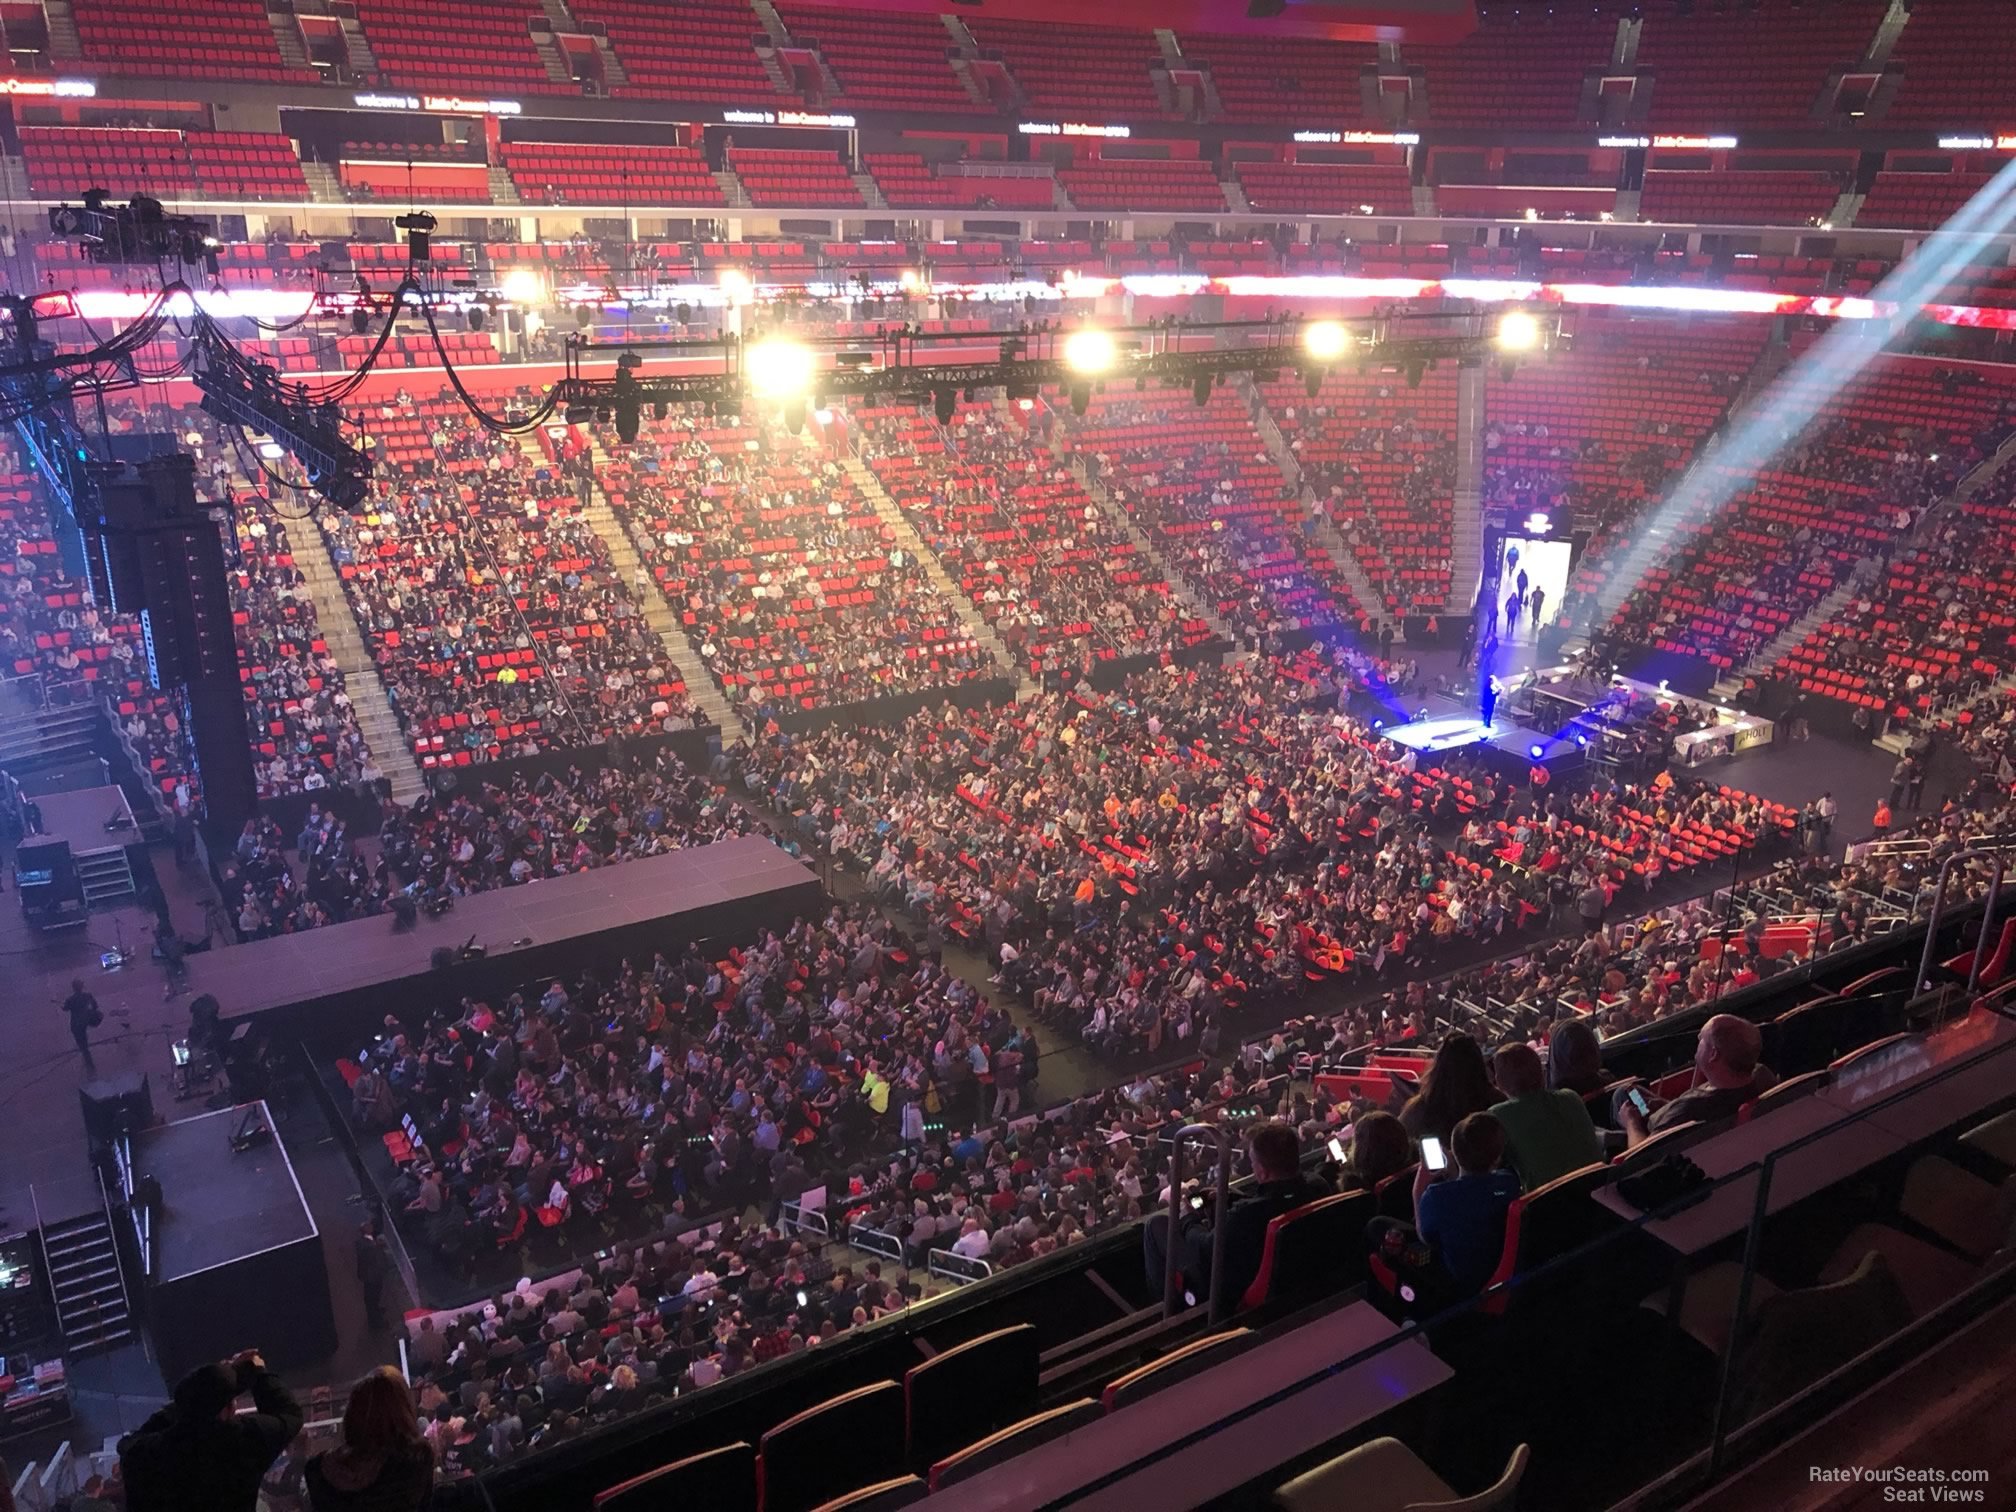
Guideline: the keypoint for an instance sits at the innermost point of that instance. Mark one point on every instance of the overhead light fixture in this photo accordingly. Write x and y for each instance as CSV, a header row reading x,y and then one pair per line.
x,y
1325,340
735,284
1518,331
523,286
1090,351
779,368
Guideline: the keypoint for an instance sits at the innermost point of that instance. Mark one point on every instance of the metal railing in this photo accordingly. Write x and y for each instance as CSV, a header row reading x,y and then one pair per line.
x,y
1172,1269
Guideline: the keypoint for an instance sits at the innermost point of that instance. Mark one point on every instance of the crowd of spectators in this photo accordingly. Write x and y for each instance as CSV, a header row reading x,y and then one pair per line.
x,y
445,847
796,593
1060,583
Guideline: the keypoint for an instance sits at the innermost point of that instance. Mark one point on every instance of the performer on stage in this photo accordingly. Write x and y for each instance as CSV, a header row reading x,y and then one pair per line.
x,y
1487,698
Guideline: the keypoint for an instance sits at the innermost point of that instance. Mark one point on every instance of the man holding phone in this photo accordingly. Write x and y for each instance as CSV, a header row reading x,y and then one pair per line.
x,y
199,1454
1726,1076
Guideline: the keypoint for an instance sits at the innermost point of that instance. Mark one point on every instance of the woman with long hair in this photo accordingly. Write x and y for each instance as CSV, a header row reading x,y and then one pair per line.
x,y
383,1464
1457,1085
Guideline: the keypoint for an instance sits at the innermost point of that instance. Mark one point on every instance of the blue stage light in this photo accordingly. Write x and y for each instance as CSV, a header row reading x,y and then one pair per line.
x,y
1536,751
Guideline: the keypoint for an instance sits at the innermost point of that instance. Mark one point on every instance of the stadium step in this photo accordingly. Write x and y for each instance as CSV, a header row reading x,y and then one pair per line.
x,y
1178,585
502,190
287,37
64,43
553,58
87,1283
614,74
383,734
323,184
871,192
906,534
773,24
975,91
562,18
1370,600
46,736
1466,505
1887,31
731,189
701,687
1235,196
363,62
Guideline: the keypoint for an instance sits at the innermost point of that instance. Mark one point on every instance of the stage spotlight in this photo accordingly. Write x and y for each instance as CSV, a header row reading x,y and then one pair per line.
x,y
1090,351
1536,751
1518,331
1378,724
476,316
360,320
910,280
1326,340
735,284
1582,741
523,286
1025,405
779,368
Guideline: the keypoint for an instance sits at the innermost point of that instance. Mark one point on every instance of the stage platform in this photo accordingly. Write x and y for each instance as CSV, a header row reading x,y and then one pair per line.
x,y
79,816
1446,727
236,1251
708,888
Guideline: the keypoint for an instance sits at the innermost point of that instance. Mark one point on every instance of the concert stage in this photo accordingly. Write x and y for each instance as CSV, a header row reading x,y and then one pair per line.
x,y
565,922
237,1258
1446,728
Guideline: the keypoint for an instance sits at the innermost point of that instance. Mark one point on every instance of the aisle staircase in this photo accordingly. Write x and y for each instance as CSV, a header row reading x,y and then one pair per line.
x,y
1151,558
287,37
891,515
701,688
338,628
64,44
87,1282
1371,603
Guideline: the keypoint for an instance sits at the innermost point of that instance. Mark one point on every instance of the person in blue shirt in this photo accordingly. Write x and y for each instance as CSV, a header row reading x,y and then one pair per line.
x,y
1460,1212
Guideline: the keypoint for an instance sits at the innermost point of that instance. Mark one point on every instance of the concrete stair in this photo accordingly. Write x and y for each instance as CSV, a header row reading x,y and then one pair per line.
x,y
323,185
338,625
890,514
614,74
1328,536
1896,740
554,58
1235,196
1466,522
562,18
773,24
64,43
731,189
1178,585
871,192
1786,641
503,191
1887,31
1059,199
363,62
287,37
701,688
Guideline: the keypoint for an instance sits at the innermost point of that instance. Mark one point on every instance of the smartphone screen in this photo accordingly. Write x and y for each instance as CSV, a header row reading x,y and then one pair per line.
x,y
1337,1150
1197,1202
1637,1098
1432,1154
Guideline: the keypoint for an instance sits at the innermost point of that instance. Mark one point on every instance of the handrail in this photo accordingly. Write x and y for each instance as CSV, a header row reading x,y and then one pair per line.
x,y
112,1228
1172,1268
1998,849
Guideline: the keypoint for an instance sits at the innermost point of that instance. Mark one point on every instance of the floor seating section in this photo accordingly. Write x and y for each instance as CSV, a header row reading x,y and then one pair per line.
x,y
709,55
1917,201
1850,486
1258,79
883,60
1382,459
604,174
854,625
1755,197
473,44
1762,65
1954,60
68,160
1937,625
1199,482
793,176
1142,184
1023,540
908,182
184,39
1102,75
1321,189
1523,66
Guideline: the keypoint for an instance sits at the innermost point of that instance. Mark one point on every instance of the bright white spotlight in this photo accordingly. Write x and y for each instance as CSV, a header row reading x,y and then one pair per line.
x,y
735,284
1326,340
1090,351
779,368
1518,331
523,286
910,280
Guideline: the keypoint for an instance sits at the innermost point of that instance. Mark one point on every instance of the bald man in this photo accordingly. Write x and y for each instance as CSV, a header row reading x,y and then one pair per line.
x,y
1726,1076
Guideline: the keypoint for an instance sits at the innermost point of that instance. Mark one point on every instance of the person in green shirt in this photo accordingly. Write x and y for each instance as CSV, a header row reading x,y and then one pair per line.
x,y
1547,1134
